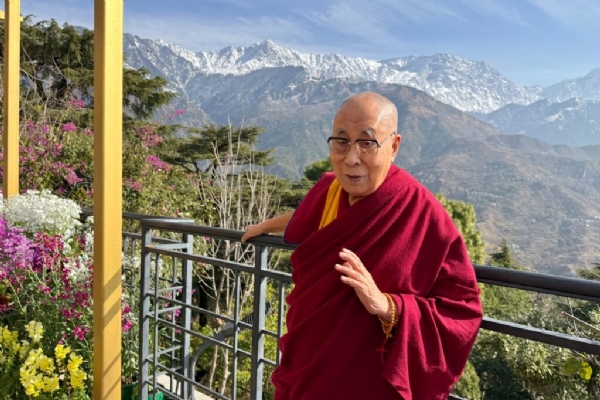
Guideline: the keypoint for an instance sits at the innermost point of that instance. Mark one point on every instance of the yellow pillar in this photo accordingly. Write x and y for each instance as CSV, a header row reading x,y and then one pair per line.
x,y
10,135
108,125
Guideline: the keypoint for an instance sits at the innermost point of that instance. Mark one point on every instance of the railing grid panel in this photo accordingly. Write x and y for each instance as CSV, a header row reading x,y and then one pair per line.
x,y
162,295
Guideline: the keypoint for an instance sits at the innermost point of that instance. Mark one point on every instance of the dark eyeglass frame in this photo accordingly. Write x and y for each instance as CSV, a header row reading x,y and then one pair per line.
x,y
358,141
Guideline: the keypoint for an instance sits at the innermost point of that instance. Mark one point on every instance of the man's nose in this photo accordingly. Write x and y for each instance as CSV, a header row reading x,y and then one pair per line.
x,y
353,155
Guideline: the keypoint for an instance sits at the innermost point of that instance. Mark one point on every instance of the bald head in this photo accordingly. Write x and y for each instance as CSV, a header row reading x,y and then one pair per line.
x,y
360,119
382,106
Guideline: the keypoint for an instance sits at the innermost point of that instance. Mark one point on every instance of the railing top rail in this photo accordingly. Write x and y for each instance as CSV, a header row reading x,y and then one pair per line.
x,y
213,232
133,215
526,280
542,283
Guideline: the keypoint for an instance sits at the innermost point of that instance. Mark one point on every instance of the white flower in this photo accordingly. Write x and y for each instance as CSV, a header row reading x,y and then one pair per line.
x,y
1,204
44,212
79,270
130,261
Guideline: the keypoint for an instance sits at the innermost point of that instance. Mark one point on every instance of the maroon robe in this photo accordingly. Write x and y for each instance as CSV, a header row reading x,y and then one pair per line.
x,y
413,250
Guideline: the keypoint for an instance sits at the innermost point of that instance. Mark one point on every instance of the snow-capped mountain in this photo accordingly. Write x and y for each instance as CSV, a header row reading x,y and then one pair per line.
x,y
467,85
587,87
574,122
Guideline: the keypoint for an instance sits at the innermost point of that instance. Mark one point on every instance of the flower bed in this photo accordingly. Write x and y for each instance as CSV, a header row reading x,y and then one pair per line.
x,y
46,309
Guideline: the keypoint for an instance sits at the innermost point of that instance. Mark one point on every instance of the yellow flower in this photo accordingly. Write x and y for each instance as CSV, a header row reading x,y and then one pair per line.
x,y
61,351
24,349
9,340
35,330
33,358
31,381
77,378
51,384
74,362
5,336
46,364
16,348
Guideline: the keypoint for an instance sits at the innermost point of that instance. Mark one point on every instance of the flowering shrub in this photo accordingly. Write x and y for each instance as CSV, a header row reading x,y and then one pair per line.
x,y
46,278
25,367
46,291
52,157
43,212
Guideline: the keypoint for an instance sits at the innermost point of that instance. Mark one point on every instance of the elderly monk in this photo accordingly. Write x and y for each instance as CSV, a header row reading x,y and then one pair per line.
x,y
385,303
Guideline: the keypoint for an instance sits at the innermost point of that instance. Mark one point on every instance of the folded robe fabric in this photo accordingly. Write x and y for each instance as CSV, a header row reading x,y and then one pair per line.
x,y
333,346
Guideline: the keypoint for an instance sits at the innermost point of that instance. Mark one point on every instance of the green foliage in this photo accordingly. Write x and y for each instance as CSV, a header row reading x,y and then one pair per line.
x,y
151,185
468,385
58,65
590,274
505,303
512,368
144,95
584,320
206,148
575,365
463,215
313,171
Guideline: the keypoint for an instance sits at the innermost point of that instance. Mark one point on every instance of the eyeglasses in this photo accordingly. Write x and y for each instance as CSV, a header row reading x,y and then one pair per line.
x,y
366,147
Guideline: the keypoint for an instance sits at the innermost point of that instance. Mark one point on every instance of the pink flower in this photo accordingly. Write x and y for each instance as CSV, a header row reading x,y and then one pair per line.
x,y
133,185
44,288
126,325
78,104
80,331
149,138
156,163
69,127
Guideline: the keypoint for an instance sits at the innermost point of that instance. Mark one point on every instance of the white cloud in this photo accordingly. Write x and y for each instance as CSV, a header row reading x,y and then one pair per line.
x,y
351,21
422,11
576,14
378,15
497,8
202,34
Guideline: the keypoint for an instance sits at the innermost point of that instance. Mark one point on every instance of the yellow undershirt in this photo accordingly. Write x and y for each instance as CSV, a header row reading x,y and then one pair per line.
x,y
331,204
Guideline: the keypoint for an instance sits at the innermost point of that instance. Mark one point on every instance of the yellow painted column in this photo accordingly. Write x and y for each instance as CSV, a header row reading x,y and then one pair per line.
x,y
108,125
10,135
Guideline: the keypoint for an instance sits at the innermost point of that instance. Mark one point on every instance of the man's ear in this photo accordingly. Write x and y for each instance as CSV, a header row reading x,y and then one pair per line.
x,y
396,145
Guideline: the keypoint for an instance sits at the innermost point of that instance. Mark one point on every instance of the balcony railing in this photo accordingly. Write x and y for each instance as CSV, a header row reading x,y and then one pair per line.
x,y
166,287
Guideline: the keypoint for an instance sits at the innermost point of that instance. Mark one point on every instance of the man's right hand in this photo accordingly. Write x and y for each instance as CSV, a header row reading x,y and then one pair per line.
x,y
252,231
273,225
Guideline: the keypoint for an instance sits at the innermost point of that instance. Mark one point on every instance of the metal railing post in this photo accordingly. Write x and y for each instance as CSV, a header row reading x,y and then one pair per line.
x,y
144,316
187,278
258,326
236,329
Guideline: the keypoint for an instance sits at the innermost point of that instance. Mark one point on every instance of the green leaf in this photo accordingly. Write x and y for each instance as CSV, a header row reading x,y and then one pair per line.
x,y
573,365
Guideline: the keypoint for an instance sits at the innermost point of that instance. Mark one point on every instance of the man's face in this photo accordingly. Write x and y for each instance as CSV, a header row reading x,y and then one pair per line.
x,y
361,175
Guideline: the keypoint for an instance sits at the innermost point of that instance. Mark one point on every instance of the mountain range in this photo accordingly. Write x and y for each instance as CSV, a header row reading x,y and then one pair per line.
x,y
472,86
541,196
575,121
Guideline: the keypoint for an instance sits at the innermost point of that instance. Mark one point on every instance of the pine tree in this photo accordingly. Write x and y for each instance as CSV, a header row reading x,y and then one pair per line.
x,y
463,215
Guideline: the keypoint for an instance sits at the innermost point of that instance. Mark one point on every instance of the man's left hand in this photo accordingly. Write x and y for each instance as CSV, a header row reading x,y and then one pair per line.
x,y
356,275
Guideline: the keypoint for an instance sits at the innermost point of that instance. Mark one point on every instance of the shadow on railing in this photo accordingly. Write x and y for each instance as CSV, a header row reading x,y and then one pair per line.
x,y
166,286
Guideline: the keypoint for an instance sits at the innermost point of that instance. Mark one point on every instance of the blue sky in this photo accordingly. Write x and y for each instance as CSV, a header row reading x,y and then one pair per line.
x,y
529,41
